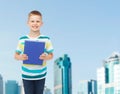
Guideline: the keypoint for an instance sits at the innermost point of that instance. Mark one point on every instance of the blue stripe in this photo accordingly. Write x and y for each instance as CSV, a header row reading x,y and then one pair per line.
x,y
37,76
18,51
23,37
43,37
49,51
34,71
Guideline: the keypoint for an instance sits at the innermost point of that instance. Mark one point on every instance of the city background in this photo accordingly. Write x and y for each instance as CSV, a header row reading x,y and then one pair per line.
x,y
88,31
107,82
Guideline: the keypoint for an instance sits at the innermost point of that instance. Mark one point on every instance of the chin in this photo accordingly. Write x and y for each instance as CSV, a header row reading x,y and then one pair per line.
x,y
35,30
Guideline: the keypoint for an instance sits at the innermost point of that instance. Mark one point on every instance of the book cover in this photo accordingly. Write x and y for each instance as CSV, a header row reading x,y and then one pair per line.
x,y
33,49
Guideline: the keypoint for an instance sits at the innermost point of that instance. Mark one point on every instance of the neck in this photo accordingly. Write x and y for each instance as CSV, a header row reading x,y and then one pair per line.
x,y
34,34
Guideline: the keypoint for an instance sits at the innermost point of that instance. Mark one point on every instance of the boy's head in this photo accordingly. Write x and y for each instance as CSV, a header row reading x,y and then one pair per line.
x,y
35,20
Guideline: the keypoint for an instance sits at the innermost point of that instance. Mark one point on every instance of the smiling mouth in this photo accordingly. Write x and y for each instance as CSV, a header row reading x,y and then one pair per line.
x,y
34,27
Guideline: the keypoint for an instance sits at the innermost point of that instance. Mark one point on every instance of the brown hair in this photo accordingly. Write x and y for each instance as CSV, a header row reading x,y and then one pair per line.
x,y
34,12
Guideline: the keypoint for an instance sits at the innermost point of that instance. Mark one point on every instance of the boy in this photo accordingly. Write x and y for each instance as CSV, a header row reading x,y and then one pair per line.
x,y
33,76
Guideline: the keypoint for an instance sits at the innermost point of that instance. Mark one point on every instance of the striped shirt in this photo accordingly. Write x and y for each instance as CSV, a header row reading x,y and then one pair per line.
x,y
30,71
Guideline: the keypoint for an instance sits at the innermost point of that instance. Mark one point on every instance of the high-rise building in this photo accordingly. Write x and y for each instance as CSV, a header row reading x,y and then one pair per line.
x,y
83,87
117,79
108,76
101,80
1,84
12,87
62,75
47,91
87,87
22,89
93,86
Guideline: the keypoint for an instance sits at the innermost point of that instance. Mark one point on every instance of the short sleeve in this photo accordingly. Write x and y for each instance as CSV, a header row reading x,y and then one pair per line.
x,y
20,47
49,46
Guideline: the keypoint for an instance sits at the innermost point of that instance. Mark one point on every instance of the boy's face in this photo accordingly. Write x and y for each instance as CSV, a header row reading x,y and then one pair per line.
x,y
35,22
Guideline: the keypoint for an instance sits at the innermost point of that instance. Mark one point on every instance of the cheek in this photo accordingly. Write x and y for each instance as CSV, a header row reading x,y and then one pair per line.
x,y
29,24
41,24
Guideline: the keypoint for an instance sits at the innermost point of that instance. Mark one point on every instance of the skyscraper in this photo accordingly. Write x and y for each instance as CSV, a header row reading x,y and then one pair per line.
x,y
108,78
62,75
83,87
87,87
22,89
1,84
93,86
47,91
12,87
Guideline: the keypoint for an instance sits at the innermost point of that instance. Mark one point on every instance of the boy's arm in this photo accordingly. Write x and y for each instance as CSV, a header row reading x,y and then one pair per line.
x,y
46,56
18,56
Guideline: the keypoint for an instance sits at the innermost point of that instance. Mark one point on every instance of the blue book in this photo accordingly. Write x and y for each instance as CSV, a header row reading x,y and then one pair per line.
x,y
33,49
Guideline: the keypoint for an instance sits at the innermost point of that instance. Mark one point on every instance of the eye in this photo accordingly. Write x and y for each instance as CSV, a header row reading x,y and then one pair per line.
x,y
32,21
38,21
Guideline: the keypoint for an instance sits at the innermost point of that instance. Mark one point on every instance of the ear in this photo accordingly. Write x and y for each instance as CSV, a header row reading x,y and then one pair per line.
x,y
27,23
41,23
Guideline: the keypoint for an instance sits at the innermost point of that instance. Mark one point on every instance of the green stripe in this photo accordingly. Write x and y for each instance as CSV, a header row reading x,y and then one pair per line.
x,y
38,76
24,37
49,51
17,51
34,71
43,37
22,43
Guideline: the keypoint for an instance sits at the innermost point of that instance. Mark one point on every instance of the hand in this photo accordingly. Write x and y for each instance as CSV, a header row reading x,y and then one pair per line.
x,y
43,56
23,57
